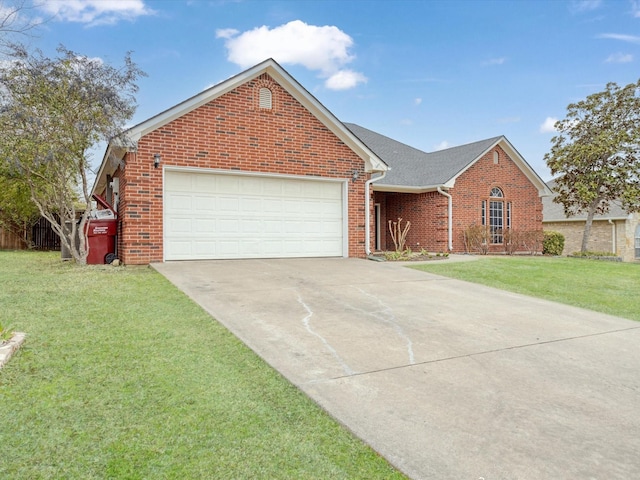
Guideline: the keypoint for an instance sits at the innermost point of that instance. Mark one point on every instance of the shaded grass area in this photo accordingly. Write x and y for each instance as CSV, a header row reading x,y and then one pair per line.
x,y
122,376
607,287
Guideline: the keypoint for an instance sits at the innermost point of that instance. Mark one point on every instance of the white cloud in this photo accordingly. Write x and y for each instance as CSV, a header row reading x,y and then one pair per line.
x,y
226,32
344,79
635,8
621,37
580,6
494,61
548,126
417,101
323,49
96,12
619,58
442,145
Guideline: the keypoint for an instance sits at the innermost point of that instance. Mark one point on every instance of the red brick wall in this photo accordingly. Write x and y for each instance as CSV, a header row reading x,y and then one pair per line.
x,y
233,133
475,185
427,212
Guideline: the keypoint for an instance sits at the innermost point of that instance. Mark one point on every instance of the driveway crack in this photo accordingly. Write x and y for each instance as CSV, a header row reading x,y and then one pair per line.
x,y
306,321
485,352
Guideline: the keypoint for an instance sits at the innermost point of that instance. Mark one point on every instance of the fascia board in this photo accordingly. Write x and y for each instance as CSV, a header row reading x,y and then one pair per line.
x,y
373,163
302,95
405,189
519,160
134,134
101,177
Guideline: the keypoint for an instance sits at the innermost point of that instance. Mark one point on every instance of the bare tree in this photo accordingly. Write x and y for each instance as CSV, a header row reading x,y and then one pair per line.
x,y
16,19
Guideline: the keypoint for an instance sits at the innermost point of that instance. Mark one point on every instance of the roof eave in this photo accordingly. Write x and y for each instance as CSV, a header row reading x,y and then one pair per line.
x,y
406,189
530,173
372,162
113,149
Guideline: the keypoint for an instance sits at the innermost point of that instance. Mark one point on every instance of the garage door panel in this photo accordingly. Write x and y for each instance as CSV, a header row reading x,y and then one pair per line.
x,y
227,226
179,182
227,184
228,205
204,203
180,225
227,216
180,202
251,226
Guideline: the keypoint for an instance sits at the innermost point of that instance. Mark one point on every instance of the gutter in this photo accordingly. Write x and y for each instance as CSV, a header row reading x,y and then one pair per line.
x,y
450,218
614,240
367,213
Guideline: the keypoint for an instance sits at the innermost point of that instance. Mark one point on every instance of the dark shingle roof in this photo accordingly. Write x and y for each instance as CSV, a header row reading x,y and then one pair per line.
x,y
411,167
554,212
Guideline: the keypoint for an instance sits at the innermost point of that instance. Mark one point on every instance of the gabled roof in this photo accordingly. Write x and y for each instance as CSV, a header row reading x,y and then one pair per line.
x,y
131,136
554,212
414,170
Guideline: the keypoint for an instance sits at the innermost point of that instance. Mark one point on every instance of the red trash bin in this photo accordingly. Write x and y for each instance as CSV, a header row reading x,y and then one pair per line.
x,y
101,236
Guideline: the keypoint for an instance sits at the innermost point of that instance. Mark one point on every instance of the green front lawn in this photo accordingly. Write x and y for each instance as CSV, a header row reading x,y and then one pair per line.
x,y
122,376
608,287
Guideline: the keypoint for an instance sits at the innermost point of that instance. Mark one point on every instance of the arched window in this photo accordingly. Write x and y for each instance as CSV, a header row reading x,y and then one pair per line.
x,y
496,215
266,98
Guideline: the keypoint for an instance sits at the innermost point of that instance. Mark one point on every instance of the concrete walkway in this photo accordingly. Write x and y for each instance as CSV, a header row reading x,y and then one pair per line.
x,y
446,379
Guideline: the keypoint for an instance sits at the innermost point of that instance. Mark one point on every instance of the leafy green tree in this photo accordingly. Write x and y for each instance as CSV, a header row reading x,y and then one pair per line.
x,y
52,111
17,212
597,154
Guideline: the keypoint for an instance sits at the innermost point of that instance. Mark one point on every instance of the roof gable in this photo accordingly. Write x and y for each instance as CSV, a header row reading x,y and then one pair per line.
x,y
130,137
414,170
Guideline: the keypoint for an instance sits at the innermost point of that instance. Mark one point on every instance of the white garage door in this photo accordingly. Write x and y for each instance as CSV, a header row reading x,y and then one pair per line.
x,y
216,216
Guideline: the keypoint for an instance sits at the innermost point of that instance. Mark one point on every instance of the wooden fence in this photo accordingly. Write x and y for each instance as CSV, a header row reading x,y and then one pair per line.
x,y
42,238
10,240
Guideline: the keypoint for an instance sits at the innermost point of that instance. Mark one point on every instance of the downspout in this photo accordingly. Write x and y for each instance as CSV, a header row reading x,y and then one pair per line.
x,y
450,218
367,213
613,236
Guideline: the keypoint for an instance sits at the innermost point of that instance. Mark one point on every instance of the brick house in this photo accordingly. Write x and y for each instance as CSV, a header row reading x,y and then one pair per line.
x,y
615,231
256,167
442,193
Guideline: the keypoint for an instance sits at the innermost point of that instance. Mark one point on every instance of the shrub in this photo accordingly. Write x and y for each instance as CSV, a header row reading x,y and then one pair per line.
x,y
592,253
399,234
398,256
552,243
476,239
532,241
512,240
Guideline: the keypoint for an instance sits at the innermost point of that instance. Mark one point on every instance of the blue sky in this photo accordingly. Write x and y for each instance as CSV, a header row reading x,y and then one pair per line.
x,y
432,74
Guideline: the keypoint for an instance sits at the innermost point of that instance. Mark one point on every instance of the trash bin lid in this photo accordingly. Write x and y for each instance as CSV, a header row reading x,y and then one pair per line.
x,y
103,202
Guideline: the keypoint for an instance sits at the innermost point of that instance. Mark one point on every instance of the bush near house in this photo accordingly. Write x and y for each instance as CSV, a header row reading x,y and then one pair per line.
x,y
553,243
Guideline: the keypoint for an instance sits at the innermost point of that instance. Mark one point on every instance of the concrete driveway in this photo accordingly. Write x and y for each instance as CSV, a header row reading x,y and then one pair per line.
x,y
446,379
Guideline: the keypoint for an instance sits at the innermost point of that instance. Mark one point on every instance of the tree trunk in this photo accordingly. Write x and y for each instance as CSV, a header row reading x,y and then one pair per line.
x,y
587,225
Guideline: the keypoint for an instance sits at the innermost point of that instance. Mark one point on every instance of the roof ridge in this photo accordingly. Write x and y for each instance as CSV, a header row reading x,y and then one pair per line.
x,y
346,124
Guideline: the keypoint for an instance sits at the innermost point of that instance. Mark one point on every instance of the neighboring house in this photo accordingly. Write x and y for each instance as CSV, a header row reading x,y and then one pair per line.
x,y
615,231
256,167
